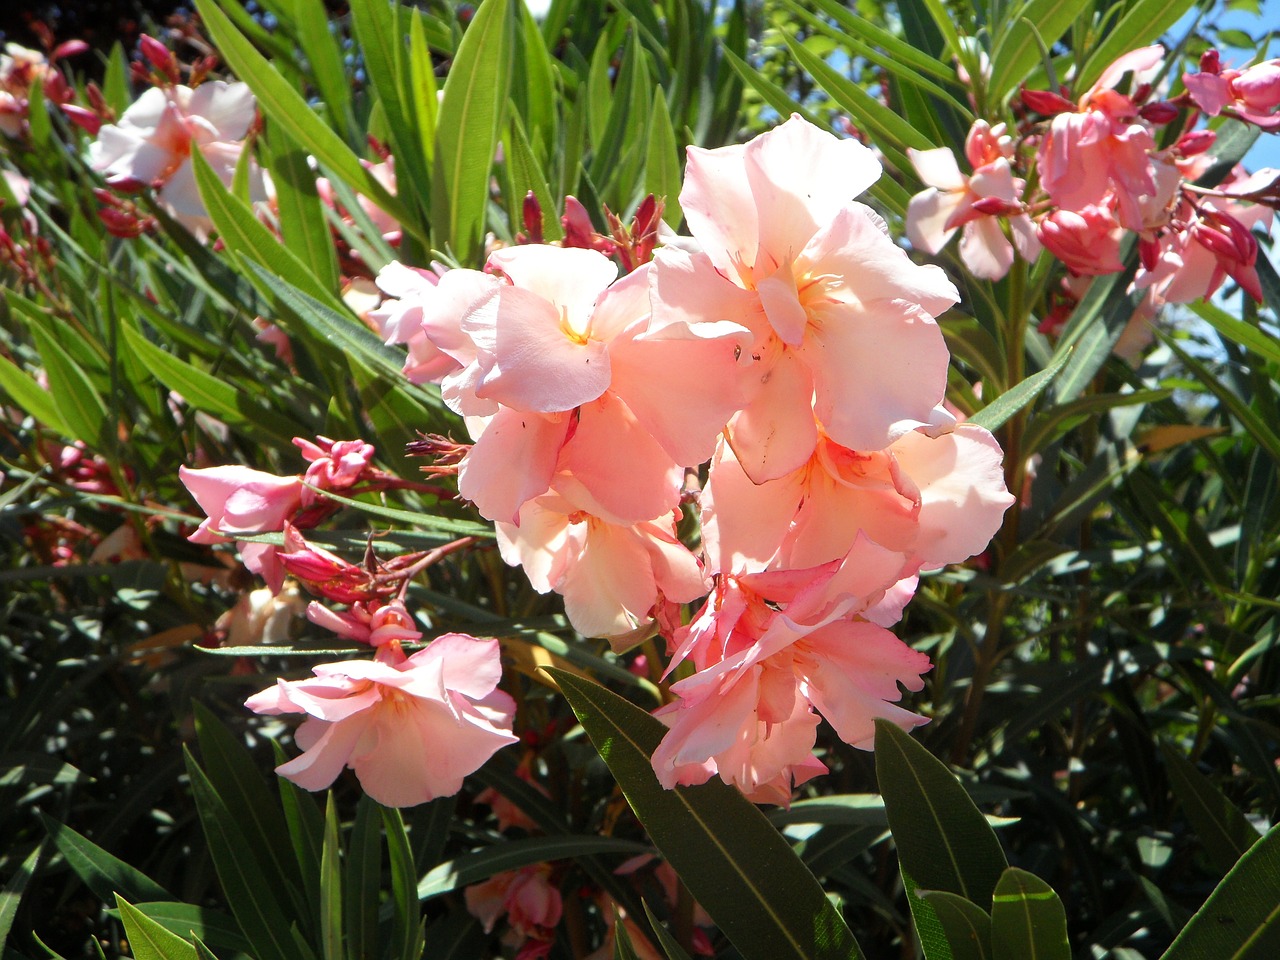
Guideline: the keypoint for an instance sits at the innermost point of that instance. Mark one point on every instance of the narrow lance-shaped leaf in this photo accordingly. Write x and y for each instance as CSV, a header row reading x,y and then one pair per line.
x,y
733,861
467,130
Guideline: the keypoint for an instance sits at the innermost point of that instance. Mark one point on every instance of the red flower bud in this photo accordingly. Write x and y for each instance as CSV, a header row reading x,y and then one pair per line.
x,y
69,48
531,212
86,120
1210,61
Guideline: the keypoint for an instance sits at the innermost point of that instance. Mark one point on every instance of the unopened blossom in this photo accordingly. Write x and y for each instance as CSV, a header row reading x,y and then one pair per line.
x,y
151,144
375,622
976,203
236,500
410,727
333,464
1101,148
1087,240
842,320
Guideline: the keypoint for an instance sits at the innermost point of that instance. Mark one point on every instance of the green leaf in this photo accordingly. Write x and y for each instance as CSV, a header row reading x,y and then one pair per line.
x,y
186,918
80,407
1028,921
1241,918
467,130
1011,401
29,396
1238,331
285,106
311,24
1018,53
11,895
462,528
245,794
480,865
623,949
662,165
943,841
385,57
101,872
148,940
732,860
245,234
1143,21
215,395
1222,829
665,940
405,942
362,882
303,227
331,886
251,897
966,926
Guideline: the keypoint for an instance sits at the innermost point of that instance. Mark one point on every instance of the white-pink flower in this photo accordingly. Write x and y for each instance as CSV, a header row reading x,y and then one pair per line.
x,y
151,144
410,727
975,203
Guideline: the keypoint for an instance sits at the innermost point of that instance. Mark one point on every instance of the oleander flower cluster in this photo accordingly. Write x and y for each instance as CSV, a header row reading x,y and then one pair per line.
x,y
790,350
1116,161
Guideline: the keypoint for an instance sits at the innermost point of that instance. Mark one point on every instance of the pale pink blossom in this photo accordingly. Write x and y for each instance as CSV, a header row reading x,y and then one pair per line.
x,y
611,576
933,496
977,203
410,727
1102,147
832,303
577,378
151,144
333,464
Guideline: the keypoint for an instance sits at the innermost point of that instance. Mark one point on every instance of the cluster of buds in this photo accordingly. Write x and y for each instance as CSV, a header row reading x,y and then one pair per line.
x,y
1101,176
159,67
123,217
631,243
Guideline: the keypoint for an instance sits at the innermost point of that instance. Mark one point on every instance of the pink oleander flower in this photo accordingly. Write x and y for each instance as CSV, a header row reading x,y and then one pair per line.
x,y
565,374
237,499
1251,95
410,727
842,320
750,716
977,203
412,315
612,576
530,902
1103,146
151,144
1087,240
933,496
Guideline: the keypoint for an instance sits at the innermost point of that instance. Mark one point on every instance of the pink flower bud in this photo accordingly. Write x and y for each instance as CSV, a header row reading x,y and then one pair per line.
x,y
531,212
1045,103
1195,142
120,224
1159,113
1211,61
159,56
69,48
86,120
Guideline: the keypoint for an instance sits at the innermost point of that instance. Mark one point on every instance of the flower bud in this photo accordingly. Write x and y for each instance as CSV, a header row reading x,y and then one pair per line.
x,y
1159,113
1045,103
